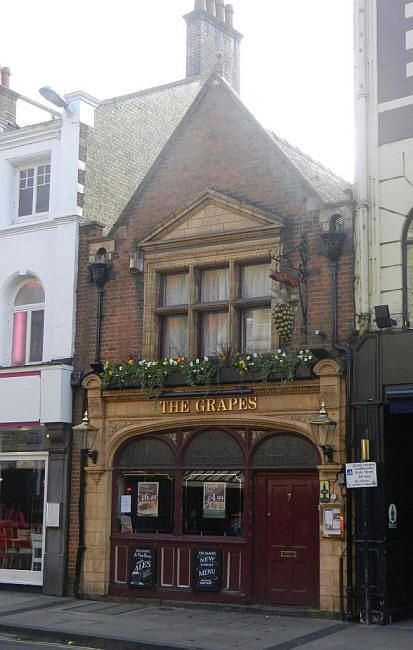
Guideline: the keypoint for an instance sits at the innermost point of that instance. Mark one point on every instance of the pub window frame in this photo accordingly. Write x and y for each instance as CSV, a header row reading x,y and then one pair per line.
x,y
196,308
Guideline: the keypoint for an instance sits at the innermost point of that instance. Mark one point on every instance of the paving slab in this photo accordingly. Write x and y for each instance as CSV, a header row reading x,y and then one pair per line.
x,y
125,625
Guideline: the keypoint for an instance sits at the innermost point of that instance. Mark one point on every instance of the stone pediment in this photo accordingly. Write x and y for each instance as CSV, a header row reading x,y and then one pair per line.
x,y
212,214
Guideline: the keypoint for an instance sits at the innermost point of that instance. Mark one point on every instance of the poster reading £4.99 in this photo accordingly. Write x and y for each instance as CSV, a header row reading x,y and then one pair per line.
x,y
148,499
214,500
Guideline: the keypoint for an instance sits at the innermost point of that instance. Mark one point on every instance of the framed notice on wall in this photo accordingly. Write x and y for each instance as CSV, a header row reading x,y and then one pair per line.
x,y
142,567
214,502
206,569
332,521
148,499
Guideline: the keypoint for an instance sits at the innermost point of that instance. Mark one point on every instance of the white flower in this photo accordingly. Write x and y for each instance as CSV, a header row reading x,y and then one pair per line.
x,y
120,367
171,361
191,363
205,358
278,351
197,361
255,355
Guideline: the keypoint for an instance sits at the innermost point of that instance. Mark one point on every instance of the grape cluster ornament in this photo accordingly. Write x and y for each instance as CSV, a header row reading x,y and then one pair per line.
x,y
284,312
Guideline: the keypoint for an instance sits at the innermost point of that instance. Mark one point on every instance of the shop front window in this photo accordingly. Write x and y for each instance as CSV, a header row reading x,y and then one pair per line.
x,y
213,503
22,492
146,503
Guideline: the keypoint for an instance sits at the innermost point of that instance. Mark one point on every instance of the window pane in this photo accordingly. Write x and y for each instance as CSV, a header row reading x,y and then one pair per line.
x,y
214,285
214,332
175,336
36,337
410,283
149,506
18,355
255,281
31,293
256,330
25,202
175,289
213,503
42,198
21,510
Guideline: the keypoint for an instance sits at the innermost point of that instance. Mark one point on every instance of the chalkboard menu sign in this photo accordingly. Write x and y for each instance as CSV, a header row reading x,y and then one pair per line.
x,y
207,569
142,567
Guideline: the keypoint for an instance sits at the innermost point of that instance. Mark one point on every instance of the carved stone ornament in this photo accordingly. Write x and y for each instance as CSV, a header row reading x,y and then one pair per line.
x,y
120,424
256,435
95,473
173,436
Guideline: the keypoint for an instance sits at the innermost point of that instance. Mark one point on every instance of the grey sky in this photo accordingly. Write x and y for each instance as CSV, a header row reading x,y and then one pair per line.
x,y
296,65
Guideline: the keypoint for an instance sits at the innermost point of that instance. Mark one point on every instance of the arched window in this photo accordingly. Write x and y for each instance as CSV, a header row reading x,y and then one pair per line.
x,y
28,323
408,272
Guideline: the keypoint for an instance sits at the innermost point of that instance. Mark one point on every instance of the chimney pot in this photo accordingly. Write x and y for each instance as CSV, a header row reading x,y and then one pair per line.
x,y
220,10
5,77
210,7
229,15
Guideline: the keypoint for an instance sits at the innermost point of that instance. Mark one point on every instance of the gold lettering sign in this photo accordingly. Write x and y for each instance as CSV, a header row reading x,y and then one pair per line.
x,y
208,405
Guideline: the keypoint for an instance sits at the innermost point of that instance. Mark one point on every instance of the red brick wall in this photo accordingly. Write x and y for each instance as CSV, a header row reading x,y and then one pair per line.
x,y
219,146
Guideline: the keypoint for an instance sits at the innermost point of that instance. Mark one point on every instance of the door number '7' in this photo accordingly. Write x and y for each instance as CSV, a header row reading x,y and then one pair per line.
x,y
289,496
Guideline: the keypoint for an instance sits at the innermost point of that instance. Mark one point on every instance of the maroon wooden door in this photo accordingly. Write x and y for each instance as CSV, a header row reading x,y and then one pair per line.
x,y
286,539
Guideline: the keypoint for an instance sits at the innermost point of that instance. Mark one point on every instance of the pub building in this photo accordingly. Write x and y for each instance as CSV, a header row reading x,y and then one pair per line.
x,y
202,485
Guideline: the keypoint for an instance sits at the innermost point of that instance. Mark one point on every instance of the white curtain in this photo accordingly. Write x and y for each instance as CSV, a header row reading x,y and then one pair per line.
x,y
214,332
255,281
175,336
214,285
256,330
175,289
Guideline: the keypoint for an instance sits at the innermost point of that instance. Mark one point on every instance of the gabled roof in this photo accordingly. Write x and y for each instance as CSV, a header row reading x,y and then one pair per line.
x,y
330,187
128,135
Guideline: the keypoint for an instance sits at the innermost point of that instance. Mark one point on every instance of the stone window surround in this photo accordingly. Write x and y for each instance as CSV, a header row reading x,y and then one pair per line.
x,y
230,259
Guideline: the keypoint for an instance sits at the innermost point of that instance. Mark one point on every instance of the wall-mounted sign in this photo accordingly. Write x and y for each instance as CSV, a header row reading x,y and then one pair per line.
x,y
324,491
142,565
214,500
208,405
148,499
332,521
361,475
207,569
392,516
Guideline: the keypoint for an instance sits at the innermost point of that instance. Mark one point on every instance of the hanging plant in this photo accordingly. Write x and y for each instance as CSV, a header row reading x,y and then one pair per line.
x,y
284,312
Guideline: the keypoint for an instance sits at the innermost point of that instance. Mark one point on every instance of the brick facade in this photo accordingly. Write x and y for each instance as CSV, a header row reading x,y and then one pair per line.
x,y
218,147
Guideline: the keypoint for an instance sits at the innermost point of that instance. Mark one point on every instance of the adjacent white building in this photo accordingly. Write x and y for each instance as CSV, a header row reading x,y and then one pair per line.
x,y
42,168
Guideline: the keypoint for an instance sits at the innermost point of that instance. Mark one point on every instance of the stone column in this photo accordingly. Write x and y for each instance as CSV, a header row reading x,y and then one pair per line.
x,y
58,485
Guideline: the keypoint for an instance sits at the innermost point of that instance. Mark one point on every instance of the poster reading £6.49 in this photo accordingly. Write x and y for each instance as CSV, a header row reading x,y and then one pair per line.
x,y
148,499
214,500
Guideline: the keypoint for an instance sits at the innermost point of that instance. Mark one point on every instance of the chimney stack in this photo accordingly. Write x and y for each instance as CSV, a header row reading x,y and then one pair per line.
x,y
8,99
220,10
210,7
210,32
229,15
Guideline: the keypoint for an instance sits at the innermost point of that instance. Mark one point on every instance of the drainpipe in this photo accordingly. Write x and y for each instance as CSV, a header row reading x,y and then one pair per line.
x,y
333,242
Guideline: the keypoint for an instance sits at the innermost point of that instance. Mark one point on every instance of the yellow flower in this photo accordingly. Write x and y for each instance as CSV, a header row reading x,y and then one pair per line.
x,y
110,372
130,362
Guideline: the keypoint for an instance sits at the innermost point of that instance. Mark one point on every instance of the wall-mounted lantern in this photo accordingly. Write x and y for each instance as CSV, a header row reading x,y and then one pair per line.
x,y
85,436
323,428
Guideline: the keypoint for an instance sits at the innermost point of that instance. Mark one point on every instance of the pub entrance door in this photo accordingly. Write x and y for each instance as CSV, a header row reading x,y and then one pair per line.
x,y
287,539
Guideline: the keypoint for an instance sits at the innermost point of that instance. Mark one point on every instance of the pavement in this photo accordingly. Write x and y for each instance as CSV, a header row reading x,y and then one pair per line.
x,y
134,625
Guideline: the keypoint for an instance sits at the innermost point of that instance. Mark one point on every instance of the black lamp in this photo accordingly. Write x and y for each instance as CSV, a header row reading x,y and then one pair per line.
x,y
85,436
323,428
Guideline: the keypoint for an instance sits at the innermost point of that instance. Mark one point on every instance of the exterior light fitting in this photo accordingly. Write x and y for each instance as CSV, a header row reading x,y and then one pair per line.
x,y
85,436
323,428
54,98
